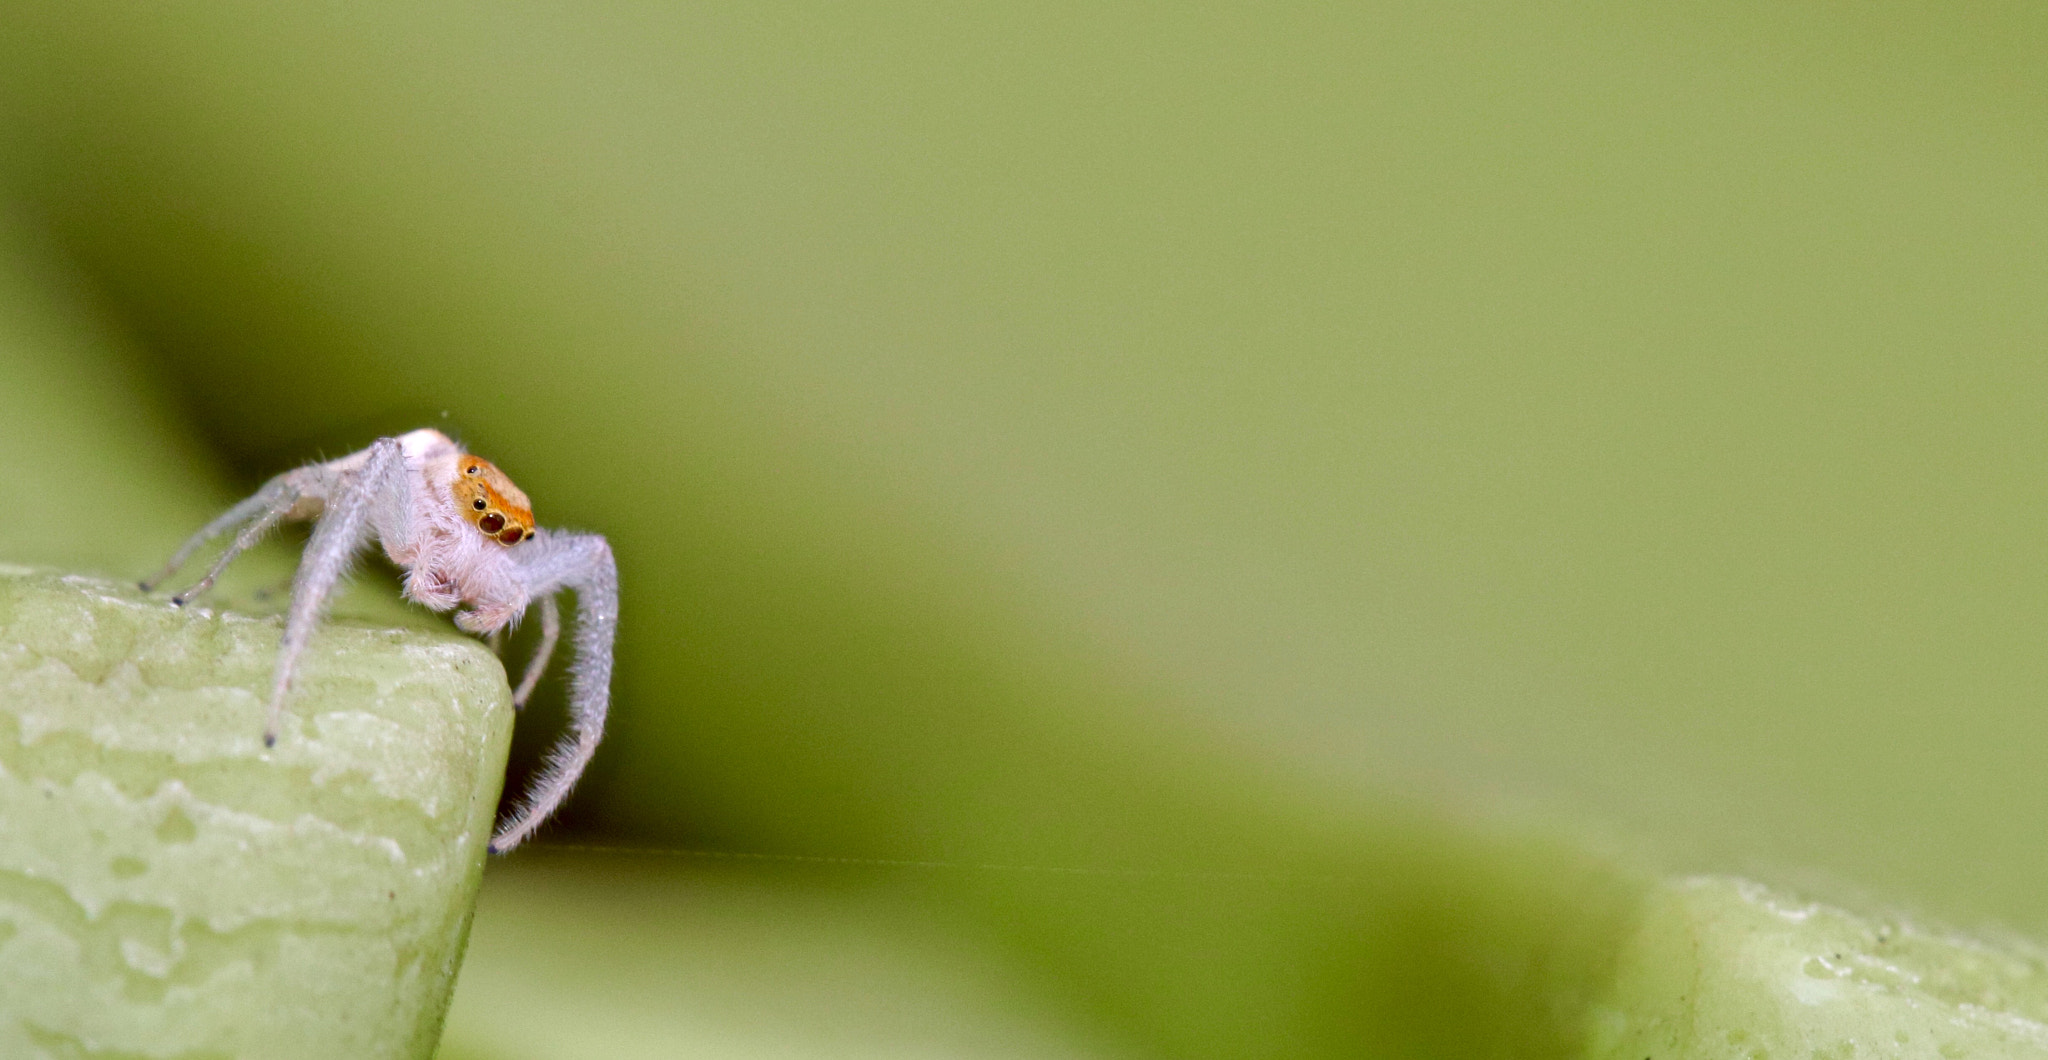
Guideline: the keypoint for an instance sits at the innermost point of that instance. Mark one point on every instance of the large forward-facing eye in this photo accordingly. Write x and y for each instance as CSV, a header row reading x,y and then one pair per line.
x,y
489,500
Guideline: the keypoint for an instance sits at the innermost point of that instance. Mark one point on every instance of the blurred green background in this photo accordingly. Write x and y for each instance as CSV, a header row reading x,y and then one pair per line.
x,y
1376,482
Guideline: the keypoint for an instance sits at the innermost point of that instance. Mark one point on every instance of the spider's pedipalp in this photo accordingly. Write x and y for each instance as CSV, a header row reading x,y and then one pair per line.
x,y
583,563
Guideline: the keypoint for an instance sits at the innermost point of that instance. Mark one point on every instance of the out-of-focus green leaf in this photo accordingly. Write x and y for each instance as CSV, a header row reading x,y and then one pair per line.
x,y
96,469
731,960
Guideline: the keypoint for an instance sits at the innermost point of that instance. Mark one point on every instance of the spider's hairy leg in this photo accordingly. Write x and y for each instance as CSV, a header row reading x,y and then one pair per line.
x,y
249,536
342,530
276,496
550,632
581,562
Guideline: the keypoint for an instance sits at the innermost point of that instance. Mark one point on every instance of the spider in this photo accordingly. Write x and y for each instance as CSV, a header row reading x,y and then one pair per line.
x,y
464,535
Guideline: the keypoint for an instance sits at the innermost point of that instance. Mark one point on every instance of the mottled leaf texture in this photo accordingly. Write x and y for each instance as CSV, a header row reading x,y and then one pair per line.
x,y
171,889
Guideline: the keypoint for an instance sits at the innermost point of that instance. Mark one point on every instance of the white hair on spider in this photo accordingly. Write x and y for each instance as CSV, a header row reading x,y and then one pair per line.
x,y
464,535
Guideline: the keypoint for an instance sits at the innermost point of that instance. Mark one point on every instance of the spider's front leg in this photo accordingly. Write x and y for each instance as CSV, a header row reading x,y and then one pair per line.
x,y
550,632
343,528
552,561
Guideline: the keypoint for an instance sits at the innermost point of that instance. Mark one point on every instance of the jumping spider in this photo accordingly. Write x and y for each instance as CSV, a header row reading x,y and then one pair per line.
x,y
464,534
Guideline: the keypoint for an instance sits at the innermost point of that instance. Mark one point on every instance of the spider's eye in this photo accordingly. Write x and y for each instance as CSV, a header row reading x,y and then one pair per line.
x,y
511,535
473,469
492,523
478,504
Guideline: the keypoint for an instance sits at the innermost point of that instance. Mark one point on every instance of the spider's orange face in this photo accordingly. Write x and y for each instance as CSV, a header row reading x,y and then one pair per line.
x,y
489,499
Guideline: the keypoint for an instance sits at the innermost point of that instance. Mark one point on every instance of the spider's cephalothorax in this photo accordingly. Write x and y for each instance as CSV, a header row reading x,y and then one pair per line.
x,y
464,535
489,499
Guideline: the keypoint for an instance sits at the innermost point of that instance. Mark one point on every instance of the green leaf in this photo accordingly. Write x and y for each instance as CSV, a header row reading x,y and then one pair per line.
x,y
169,887
1724,967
